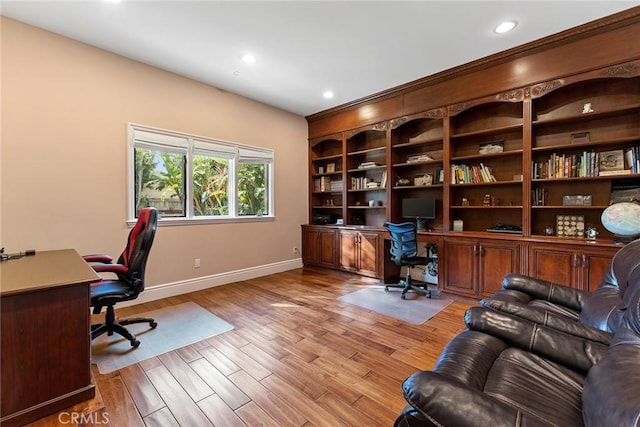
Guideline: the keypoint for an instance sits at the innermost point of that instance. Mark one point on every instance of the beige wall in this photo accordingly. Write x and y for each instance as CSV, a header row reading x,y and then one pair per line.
x,y
65,109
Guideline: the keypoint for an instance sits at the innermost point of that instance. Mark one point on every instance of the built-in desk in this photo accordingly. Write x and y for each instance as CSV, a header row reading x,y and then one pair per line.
x,y
45,343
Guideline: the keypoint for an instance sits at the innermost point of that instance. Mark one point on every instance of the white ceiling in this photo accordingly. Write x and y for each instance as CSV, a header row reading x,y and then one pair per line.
x,y
354,48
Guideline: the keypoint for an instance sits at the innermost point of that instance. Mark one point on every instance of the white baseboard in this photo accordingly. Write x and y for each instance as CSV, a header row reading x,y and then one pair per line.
x,y
153,293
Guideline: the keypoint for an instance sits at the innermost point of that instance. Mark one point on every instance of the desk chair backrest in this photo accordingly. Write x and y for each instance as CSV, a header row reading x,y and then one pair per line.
x,y
404,241
135,254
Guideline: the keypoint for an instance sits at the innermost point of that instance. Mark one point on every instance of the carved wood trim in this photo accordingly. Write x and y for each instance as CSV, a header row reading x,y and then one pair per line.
x,y
457,108
541,89
515,95
336,136
629,69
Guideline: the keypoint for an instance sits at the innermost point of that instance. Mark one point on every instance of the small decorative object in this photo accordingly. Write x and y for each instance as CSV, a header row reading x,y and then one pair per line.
x,y
465,201
623,220
487,200
576,200
365,165
373,184
570,225
339,221
419,158
457,225
400,182
372,203
331,167
586,108
321,169
492,147
423,179
548,230
611,162
591,233
579,137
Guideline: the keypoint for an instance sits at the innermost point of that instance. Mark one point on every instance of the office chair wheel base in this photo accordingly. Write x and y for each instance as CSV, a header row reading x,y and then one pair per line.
x,y
153,325
135,343
386,289
403,296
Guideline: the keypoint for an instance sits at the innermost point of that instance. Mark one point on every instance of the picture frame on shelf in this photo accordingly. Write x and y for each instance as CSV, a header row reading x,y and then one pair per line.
x,y
331,167
580,137
611,162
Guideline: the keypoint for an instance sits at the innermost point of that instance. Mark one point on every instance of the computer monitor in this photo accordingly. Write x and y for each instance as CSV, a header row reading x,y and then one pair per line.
x,y
421,209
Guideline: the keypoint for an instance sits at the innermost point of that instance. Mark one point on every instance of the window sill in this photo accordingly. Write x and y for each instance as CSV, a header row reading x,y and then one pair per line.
x,y
171,222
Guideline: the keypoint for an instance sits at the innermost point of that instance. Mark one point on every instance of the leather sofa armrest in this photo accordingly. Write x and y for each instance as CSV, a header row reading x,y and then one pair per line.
x,y
546,318
574,352
447,402
545,290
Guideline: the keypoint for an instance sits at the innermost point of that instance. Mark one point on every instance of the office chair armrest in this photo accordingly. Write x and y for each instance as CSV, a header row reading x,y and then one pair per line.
x,y
439,399
546,318
545,290
110,268
105,259
576,353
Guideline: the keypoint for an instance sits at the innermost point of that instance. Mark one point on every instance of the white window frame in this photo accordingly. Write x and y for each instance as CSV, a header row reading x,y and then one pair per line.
x,y
179,142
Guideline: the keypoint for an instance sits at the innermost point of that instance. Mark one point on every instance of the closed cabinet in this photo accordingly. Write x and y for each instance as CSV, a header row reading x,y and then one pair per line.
x,y
359,252
475,267
580,268
319,246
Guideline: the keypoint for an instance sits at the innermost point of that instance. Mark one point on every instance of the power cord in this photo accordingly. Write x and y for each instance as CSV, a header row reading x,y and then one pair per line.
x,y
7,257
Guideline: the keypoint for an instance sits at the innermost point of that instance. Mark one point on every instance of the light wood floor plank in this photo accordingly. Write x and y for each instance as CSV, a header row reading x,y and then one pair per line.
x,y
296,357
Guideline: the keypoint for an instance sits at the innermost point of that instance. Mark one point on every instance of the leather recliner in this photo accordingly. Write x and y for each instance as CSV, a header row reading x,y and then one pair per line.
x,y
543,301
504,370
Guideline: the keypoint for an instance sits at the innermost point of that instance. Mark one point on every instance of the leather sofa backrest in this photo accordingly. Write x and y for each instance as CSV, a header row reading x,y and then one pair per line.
x,y
611,394
605,308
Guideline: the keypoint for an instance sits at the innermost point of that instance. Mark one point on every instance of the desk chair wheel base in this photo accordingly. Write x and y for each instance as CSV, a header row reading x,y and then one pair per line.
x,y
111,325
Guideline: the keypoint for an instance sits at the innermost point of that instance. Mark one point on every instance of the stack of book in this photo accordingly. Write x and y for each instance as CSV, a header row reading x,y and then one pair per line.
x,y
463,174
539,197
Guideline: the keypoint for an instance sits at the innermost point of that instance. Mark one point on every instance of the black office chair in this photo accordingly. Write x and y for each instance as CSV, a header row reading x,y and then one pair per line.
x,y
404,252
129,281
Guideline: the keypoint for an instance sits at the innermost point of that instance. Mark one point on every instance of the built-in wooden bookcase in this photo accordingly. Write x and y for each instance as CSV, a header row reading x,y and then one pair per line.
x,y
575,125
485,163
366,157
417,165
326,178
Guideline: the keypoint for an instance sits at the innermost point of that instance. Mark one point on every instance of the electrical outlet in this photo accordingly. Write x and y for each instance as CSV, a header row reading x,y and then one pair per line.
x,y
296,251
196,263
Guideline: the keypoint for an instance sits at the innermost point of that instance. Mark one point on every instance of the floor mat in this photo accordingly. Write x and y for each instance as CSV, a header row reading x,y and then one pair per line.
x,y
178,326
416,309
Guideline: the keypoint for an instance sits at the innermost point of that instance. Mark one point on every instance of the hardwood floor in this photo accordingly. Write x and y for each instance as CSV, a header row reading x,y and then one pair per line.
x,y
296,357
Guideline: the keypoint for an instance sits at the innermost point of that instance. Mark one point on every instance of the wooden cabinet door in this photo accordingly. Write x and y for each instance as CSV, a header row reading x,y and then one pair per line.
x,y
496,258
460,263
554,263
367,257
319,246
310,247
327,247
348,250
594,265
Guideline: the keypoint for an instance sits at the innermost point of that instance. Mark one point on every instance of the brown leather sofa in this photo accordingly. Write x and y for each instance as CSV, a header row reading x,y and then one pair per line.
x,y
543,301
504,370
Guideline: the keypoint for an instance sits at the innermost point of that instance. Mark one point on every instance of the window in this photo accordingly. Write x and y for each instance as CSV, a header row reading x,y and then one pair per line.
x,y
195,178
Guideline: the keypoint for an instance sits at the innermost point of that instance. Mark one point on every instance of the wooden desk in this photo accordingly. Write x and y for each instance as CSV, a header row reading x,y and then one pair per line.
x,y
45,359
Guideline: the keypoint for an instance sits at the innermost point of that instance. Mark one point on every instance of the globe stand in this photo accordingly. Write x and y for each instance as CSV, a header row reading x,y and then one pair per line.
x,y
624,240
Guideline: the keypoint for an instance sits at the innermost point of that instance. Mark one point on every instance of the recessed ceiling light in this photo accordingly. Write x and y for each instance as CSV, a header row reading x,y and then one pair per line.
x,y
249,58
505,27
327,94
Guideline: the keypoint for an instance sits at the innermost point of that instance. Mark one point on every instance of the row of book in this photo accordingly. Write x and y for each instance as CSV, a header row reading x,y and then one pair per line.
x,y
463,174
325,183
589,163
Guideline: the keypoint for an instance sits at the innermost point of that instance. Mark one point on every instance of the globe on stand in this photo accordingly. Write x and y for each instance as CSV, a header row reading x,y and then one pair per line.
x,y
623,220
